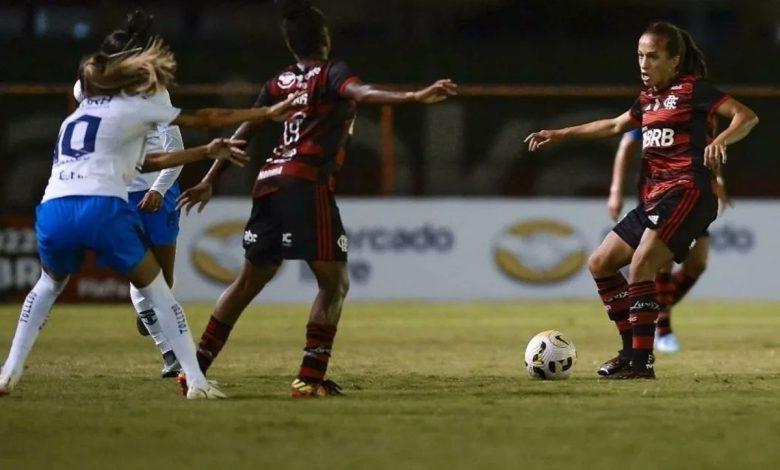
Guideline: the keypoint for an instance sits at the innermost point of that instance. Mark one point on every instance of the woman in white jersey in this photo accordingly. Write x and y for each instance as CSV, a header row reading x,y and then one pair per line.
x,y
99,149
153,195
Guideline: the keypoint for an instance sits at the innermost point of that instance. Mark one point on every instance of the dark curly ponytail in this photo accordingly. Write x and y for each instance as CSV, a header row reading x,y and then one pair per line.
x,y
304,28
135,34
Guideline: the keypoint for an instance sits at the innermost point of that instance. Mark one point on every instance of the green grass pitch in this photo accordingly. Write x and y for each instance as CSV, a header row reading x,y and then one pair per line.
x,y
429,386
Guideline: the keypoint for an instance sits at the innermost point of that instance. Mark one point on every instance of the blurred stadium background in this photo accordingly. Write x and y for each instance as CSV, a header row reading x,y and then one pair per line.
x,y
522,65
442,204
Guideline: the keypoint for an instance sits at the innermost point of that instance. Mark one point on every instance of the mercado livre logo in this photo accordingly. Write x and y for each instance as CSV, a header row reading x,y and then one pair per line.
x,y
539,251
217,253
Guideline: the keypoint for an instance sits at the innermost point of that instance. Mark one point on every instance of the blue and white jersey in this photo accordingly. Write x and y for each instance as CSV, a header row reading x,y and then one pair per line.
x,y
102,145
163,138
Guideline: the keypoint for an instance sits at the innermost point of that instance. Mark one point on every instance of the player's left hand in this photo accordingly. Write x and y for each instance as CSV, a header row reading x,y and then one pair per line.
x,y
715,156
151,202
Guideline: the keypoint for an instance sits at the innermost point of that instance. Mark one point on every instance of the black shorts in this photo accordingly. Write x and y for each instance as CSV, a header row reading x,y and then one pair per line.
x,y
300,220
679,218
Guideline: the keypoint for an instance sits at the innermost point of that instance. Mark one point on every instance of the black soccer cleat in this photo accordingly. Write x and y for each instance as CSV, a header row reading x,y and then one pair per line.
x,y
631,374
617,364
171,366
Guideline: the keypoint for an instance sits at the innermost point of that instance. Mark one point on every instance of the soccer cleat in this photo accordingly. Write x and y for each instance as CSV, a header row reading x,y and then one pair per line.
x,y
171,366
184,388
8,381
667,343
326,388
181,381
210,392
631,374
618,363
141,327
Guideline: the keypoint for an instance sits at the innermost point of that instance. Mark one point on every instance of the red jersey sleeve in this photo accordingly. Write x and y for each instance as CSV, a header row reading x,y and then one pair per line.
x,y
636,111
707,98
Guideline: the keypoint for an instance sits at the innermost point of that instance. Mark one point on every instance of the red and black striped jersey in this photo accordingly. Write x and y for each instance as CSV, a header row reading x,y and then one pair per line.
x,y
313,141
677,123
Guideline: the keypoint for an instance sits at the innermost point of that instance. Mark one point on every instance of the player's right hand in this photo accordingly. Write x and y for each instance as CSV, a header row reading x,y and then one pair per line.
x,y
537,139
283,110
227,149
724,200
199,194
438,91
615,205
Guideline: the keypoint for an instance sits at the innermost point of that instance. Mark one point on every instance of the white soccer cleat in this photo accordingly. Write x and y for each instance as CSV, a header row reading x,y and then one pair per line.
x,y
667,343
8,381
210,392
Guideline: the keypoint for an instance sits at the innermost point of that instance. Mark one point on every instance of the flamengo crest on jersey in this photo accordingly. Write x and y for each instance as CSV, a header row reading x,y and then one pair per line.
x,y
101,145
677,123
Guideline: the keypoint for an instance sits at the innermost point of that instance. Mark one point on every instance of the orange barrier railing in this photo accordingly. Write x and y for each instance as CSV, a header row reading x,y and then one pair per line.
x,y
386,114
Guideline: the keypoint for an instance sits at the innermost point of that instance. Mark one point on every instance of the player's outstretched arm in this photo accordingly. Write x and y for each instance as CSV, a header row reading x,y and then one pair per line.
x,y
438,91
743,120
627,147
218,149
223,117
201,193
592,130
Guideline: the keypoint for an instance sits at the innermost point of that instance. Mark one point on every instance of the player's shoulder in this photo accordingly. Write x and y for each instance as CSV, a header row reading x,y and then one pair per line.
x,y
161,97
687,83
337,62
283,80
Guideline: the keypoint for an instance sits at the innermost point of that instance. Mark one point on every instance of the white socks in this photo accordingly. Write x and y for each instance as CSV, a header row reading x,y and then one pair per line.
x,y
35,312
145,311
173,323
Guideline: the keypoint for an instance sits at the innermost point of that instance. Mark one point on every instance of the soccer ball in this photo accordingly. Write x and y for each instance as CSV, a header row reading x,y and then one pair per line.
x,y
550,355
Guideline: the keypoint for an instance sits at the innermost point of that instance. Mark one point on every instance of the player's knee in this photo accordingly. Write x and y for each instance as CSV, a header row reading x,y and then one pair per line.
x,y
168,279
52,283
598,265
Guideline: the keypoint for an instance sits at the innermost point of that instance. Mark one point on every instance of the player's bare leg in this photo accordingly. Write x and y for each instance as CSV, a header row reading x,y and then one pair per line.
x,y
333,282
674,287
692,268
250,281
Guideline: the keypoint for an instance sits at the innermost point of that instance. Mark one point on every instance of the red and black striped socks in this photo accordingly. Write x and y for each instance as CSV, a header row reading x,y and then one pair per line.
x,y
211,343
682,284
666,297
643,313
319,343
613,291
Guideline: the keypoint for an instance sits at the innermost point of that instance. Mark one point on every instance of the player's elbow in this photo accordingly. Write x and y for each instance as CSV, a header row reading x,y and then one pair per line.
x,y
752,119
150,166
152,162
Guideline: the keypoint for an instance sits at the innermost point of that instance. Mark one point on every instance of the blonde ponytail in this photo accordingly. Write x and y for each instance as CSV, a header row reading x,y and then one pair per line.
x,y
137,71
